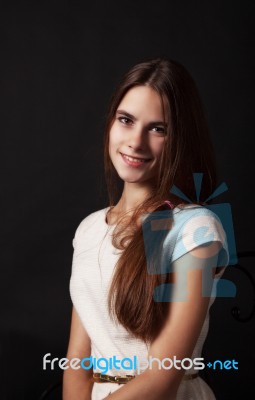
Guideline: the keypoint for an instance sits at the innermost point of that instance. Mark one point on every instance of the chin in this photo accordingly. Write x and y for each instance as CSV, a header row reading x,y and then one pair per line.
x,y
133,179
129,178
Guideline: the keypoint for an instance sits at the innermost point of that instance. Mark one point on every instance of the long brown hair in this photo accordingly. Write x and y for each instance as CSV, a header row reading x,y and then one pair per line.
x,y
188,149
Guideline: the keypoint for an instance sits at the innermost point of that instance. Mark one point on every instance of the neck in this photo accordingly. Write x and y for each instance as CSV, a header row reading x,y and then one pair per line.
x,y
133,194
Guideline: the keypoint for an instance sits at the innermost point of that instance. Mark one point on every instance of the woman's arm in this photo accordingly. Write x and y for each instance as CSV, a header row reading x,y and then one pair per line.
x,y
183,325
77,383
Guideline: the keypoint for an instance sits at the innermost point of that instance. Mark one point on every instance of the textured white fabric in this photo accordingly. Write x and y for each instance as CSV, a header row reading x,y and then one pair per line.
x,y
94,260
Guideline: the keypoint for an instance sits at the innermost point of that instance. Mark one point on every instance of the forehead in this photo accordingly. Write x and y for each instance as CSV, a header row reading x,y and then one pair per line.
x,y
143,101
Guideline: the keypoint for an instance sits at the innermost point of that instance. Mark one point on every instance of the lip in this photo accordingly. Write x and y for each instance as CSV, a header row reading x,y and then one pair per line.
x,y
133,163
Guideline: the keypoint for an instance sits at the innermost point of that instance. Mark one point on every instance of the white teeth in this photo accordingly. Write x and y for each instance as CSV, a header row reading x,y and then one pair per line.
x,y
133,159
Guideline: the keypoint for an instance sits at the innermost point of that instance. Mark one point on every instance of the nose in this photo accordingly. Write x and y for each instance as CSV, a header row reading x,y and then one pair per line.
x,y
136,139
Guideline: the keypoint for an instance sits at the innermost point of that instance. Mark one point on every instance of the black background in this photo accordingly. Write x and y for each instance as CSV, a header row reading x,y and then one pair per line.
x,y
60,62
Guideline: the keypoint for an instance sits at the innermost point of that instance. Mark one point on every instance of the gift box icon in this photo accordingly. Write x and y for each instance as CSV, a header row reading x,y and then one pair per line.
x,y
160,257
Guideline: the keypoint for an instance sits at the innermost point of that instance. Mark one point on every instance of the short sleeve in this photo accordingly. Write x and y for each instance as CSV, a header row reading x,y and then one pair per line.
x,y
201,228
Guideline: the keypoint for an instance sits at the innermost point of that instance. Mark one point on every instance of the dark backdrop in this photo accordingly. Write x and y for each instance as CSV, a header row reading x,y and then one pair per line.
x,y
60,61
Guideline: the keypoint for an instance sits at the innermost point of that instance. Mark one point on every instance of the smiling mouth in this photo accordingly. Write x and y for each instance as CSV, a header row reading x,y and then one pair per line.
x,y
135,159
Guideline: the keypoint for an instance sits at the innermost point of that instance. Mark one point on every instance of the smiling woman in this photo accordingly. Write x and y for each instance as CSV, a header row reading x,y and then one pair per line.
x,y
143,268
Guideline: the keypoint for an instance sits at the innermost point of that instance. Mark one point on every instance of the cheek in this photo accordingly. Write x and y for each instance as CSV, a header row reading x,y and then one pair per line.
x,y
157,146
114,137
114,142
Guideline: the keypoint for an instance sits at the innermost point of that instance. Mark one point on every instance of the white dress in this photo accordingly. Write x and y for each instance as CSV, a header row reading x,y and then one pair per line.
x,y
94,260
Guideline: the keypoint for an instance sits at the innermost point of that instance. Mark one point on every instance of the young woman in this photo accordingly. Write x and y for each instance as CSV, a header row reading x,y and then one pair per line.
x,y
143,268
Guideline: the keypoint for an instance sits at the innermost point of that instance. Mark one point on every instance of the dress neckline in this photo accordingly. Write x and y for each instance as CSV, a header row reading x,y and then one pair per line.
x,y
105,217
174,210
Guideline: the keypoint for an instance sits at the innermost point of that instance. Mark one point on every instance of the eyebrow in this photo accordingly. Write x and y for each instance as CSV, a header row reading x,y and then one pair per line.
x,y
123,112
127,114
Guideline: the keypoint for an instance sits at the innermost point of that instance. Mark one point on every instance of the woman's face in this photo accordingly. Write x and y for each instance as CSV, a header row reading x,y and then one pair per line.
x,y
137,135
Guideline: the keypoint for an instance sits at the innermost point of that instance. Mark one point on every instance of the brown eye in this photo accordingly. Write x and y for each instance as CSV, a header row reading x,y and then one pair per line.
x,y
159,129
125,120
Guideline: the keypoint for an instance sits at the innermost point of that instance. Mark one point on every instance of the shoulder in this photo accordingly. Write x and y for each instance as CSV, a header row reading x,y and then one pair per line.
x,y
183,213
193,226
93,221
192,217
